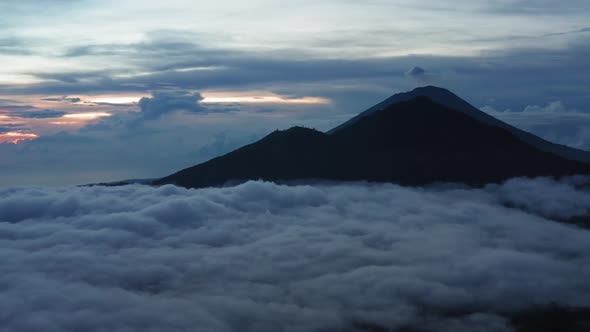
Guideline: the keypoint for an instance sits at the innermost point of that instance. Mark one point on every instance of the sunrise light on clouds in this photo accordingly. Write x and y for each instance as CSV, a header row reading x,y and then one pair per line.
x,y
16,137
261,99
87,116
114,99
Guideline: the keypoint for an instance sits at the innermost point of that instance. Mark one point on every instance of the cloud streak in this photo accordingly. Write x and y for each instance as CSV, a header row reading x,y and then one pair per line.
x,y
264,257
29,112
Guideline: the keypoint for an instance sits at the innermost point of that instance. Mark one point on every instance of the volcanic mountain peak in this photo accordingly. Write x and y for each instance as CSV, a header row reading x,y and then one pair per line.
x,y
452,101
412,142
439,95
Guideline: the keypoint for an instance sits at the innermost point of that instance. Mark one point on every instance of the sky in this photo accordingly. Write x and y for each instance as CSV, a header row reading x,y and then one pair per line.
x,y
96,91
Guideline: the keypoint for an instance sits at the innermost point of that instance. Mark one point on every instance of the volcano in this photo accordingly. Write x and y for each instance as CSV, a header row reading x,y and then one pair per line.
x,y
424,136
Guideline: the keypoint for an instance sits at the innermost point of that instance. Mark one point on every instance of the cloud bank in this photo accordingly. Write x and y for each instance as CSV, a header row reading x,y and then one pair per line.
x,y
265,257
554,122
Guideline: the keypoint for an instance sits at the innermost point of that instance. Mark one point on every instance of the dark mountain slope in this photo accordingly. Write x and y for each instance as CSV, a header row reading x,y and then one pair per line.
x,y
420,141
412,142
452,101
283,155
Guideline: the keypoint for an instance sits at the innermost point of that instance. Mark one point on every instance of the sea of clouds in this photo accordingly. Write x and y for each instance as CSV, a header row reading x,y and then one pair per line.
x,y
267,257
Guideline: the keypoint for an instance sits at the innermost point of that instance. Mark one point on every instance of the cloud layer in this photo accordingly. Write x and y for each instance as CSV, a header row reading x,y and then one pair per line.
x,y
264,257
554,122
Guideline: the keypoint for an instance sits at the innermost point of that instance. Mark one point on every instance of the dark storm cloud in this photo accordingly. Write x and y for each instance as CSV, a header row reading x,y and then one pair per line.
x,y
262,257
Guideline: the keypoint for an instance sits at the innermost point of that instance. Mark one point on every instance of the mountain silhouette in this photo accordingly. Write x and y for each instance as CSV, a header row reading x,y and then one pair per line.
x,y
452,101
423,136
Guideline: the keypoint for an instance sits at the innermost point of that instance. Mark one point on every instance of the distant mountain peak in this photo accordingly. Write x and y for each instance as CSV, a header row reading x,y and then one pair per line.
x,y
436,94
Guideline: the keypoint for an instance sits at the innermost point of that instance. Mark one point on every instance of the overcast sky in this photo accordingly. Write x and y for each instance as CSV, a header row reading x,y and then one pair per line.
x,y
215,75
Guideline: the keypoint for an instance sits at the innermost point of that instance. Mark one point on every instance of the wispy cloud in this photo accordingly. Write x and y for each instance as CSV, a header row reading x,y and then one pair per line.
x,y
29,112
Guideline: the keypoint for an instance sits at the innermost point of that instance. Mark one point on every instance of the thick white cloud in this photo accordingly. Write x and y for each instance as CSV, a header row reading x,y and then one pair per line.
x,y
265,257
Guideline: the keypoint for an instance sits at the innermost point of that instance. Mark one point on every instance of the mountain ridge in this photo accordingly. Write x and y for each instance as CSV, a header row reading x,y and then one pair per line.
x,y
413,142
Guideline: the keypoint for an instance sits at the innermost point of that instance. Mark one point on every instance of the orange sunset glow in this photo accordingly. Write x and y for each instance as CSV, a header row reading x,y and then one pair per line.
x,y
115,99
87,116
268,99
15,137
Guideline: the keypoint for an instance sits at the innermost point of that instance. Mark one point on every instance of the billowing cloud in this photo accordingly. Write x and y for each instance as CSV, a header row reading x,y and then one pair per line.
x,y
416,72
163,102
263,257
